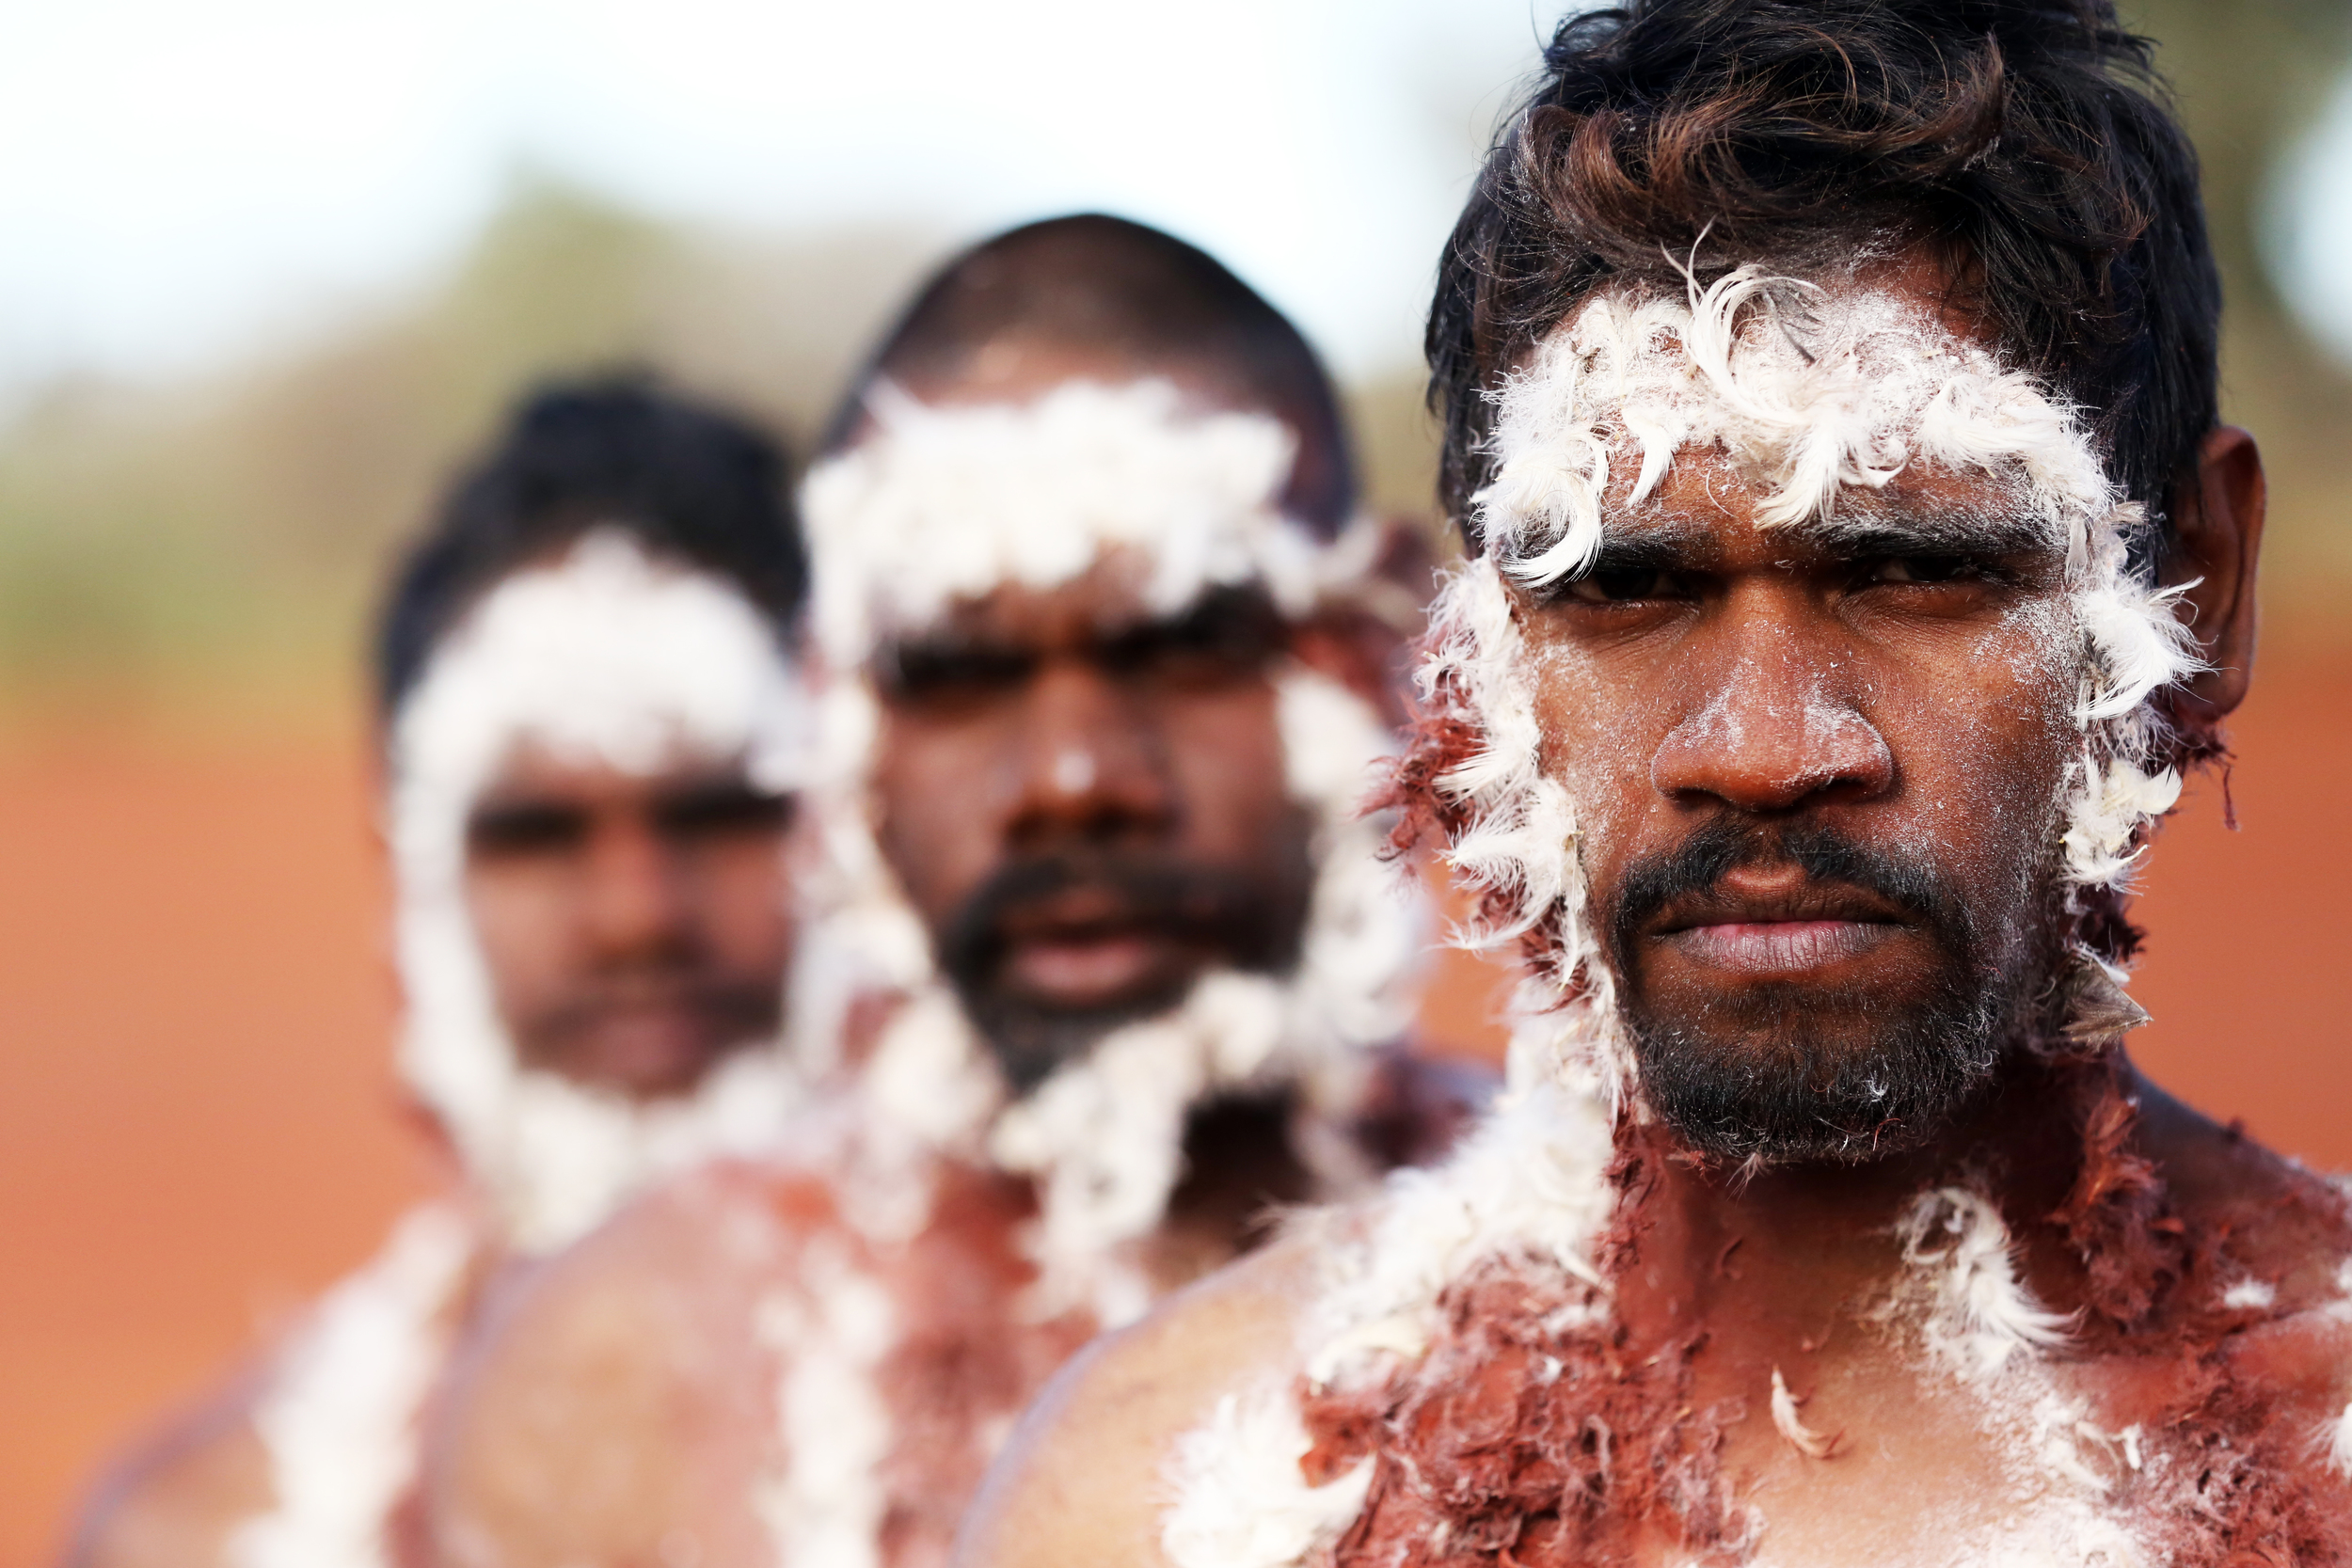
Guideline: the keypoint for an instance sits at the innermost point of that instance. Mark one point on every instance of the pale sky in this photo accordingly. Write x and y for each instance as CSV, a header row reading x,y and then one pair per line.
x,y
2311,226
183,179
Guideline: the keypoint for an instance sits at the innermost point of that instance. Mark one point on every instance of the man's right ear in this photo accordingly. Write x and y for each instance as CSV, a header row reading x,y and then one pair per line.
x,y
2217,516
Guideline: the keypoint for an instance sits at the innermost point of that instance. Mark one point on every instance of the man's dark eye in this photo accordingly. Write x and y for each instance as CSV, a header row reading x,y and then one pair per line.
x,y
525,828
1227,634
1625,584
921,672
721,810
1932,569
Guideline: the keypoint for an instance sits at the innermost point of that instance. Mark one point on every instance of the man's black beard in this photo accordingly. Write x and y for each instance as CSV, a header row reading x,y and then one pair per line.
x,y
1767,1084
1241,920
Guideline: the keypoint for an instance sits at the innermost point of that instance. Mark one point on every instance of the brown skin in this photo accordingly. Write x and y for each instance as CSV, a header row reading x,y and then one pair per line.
x,y
636,927
1070,723
180,1497
1933,726
1076,724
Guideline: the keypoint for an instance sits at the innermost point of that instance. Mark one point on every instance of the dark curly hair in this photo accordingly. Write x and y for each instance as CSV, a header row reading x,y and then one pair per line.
x,y
2026,143
690,482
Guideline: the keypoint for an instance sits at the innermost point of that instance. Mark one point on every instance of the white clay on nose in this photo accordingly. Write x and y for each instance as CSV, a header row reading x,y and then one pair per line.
x,y
1073,771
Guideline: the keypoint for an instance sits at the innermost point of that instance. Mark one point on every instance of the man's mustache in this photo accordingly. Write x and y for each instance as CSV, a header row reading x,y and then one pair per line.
x,y
1167,898
1696,866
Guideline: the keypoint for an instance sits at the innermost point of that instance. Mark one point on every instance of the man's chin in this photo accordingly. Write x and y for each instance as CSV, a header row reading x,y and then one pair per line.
x,y
646,1060
1032,1038
1797,1098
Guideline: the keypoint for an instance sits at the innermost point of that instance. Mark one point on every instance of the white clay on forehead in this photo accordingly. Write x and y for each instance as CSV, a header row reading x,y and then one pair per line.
x,y
606,656
1809,391
942,504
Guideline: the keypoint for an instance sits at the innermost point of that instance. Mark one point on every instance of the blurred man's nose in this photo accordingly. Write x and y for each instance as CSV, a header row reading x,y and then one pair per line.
x,y
1091,762
632,900
1771,717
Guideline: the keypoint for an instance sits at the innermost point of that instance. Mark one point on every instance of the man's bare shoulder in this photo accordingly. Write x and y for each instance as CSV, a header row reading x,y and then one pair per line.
x,y
616,1389
2281,1231
180,1499
1083,1481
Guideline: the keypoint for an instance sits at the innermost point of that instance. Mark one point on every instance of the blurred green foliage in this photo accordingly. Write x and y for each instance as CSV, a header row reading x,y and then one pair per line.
x,y
2251,76
232,527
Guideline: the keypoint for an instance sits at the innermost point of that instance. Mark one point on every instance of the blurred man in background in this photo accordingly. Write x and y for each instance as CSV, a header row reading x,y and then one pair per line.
x,y
1107,661
592,733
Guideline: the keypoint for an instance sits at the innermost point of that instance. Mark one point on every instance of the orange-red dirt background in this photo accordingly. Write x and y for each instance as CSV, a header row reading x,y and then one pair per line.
x,y
198,1126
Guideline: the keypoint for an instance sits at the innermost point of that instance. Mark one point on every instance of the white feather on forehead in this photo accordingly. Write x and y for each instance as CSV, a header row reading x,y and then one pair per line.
x,y
941,503
610,656
1806,392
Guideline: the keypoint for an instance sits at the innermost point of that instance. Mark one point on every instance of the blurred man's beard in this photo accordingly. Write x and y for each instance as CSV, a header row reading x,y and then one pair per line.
x,y
1793,1073
1222,920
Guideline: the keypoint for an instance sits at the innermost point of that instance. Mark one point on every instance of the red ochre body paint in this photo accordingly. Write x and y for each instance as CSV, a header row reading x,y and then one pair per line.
x,y
1530,1435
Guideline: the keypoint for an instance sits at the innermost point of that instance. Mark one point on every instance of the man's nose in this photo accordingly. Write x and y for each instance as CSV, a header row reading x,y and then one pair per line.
x,y
632,904
1774,724
1091,763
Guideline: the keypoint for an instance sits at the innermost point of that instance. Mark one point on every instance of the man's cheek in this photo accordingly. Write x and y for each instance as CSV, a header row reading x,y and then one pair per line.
x,y
1231,786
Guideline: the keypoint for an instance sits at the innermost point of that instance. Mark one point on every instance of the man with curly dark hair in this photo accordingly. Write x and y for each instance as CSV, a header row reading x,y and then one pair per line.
x,y
1857,564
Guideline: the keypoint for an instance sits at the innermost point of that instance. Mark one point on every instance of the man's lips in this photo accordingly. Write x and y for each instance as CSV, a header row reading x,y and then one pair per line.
x,y
1084,948
1778,928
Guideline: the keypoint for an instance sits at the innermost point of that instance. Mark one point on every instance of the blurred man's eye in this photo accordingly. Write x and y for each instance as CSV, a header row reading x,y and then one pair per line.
x,y
721,811
530,828
921,672
1227,634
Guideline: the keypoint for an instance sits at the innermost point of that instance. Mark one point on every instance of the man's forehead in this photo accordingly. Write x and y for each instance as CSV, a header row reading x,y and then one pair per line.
x,y
1823,411
1013,374
1707,505
1111,598
537,765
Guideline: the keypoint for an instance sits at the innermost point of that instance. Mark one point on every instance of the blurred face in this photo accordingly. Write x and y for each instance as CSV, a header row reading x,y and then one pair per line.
x,y
636,927
1819,778
1087,803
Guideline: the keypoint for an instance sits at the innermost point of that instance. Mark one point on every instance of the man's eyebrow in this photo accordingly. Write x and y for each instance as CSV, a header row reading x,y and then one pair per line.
x,y
1653,547
1871,535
